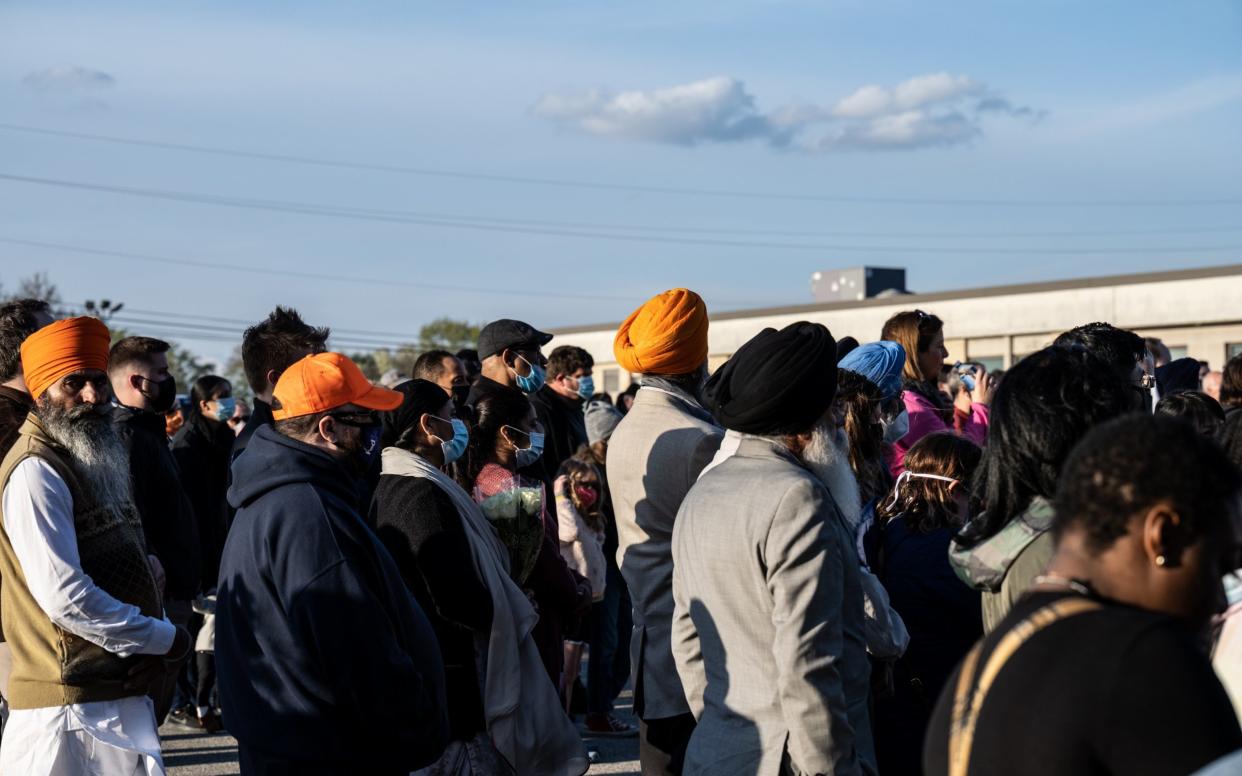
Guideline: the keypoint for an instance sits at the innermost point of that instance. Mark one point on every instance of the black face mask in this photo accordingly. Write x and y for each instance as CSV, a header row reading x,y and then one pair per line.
x,y
165,394
460,394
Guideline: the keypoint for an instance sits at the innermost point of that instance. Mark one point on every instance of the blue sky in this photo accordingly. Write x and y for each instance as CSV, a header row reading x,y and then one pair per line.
x,y
1068,107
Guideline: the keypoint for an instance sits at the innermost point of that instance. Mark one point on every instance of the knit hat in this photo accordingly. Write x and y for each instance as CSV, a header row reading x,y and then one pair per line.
x,y
601,420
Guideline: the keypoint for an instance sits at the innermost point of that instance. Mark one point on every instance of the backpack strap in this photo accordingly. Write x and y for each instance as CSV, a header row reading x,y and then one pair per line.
x,y
973,685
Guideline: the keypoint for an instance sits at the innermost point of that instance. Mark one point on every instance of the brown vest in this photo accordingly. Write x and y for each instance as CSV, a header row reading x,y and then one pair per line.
x,y
52,667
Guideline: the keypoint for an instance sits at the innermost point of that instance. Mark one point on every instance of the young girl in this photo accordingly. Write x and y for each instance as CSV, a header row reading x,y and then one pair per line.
x,y
580,520
580,526
908,549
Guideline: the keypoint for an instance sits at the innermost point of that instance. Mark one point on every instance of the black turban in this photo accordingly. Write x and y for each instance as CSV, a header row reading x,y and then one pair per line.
x,y
421,397
845,346
780,382
1177,376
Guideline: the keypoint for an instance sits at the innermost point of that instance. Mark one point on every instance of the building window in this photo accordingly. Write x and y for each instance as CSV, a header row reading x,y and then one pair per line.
x,y
990,363
1232,349
612,381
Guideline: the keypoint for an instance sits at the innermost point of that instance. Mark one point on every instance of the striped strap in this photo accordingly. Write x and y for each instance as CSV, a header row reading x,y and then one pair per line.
x,y
966,703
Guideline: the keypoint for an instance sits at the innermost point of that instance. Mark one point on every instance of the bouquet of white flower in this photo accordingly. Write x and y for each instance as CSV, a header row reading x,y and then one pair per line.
x,y
518,517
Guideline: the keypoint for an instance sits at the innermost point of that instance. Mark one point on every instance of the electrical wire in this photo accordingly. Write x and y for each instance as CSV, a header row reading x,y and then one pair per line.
x,y
348,212
611,186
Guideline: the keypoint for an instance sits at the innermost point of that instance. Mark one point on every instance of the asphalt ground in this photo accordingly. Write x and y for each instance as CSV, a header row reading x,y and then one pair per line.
x,y
189,753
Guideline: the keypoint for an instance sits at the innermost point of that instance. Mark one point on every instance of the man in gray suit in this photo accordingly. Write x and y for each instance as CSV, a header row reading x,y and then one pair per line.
x,y
768,630
654,456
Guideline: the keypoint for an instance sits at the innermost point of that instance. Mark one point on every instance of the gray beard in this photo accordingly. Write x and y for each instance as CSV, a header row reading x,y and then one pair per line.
x,y
98,454
828,458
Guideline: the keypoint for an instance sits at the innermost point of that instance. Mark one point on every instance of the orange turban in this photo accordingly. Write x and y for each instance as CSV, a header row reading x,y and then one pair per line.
x,y
667,335
62,348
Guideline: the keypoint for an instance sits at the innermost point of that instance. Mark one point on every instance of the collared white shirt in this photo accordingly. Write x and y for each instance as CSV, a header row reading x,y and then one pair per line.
x,y
103,737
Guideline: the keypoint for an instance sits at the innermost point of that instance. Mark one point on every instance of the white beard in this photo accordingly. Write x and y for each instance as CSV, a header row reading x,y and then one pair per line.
x,y
96,449
828,458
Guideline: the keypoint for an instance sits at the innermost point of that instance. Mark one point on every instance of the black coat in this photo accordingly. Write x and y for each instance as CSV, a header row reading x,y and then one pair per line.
x,y
202,449
260,416
168,517
15,405
564,426
420,526
322,652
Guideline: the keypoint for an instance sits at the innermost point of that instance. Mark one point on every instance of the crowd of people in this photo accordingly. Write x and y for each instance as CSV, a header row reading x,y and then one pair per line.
x,y
826,556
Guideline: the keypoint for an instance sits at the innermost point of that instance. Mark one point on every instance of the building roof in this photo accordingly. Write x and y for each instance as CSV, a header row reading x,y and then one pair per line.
x,y
1195,273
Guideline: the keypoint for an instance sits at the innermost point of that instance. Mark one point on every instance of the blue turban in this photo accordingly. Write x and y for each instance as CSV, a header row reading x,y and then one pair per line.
x,y
880,362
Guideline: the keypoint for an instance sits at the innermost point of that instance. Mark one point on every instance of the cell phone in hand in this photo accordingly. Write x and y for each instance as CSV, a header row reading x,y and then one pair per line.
x,y
967,373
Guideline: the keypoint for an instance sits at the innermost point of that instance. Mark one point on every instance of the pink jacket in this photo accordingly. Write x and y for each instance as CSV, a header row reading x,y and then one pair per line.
x,y
926,419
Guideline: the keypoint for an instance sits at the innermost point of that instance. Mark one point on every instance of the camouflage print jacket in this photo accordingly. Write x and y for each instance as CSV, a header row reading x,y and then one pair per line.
x,y
985,565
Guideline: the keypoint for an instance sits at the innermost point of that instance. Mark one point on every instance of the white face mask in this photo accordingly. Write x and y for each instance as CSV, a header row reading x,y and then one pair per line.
x,y
907,475
897,428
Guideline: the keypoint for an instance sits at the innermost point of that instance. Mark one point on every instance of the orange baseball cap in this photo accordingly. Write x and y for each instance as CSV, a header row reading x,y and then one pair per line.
x,y
325,381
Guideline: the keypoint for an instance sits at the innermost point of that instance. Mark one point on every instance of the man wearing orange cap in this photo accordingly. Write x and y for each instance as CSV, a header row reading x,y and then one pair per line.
x,y
325,662
654,456
81,599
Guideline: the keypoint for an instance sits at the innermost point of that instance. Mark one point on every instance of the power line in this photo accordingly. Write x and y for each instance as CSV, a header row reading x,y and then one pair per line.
x,y
283,273
246,324
355,213
204,327
609,186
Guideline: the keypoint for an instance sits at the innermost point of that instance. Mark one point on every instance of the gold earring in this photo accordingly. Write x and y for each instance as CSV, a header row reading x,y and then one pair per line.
x,y
1160,560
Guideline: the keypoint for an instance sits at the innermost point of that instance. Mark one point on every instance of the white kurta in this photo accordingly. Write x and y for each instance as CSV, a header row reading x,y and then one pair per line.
x,y
104,737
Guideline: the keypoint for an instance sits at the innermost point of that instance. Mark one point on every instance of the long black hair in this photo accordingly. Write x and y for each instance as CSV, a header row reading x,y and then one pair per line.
x,y
206,388
493,411
1046,404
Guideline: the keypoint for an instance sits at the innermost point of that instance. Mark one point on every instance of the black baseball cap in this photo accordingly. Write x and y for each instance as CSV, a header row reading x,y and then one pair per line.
x,y
510,334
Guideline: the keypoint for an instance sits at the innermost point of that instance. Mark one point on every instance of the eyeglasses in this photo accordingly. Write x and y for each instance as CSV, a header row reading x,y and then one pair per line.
x,y
356,419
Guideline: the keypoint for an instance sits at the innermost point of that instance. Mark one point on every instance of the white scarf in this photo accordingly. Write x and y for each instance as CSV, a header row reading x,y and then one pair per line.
x,y
524,716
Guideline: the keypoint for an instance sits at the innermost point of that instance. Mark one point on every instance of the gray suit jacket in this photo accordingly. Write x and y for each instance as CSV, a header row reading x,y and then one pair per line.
x,y
654,456
768,630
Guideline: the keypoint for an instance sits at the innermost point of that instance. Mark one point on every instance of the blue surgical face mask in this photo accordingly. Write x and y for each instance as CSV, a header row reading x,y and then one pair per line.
x,y
897,428
455,448
533,381
225,407
528,455
586,387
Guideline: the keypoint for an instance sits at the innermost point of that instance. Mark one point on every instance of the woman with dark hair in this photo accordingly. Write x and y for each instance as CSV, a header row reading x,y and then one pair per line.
x,y
1100,668
869,392
908,549
625,399
1048,401
922,336
505,438
203,448
457,569
1200,410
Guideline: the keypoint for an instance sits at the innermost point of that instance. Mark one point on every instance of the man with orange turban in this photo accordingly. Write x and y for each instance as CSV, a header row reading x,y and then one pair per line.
x,y
80,604
654,456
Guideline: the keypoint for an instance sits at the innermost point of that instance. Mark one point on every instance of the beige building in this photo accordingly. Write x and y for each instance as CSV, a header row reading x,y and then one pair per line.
x,y
1196,312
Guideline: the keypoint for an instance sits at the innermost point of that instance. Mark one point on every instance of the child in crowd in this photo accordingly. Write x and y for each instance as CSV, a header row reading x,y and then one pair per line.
x,y
580,526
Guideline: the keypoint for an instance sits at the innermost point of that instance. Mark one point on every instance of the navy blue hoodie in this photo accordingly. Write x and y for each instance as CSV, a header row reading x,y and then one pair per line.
x,y
322,653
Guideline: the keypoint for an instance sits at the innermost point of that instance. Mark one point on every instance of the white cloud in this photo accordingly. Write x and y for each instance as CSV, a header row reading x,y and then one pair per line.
x,y
937,109
68,78
715,109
